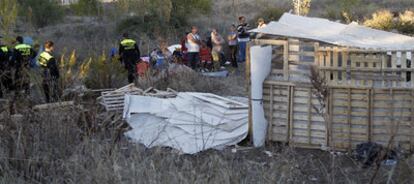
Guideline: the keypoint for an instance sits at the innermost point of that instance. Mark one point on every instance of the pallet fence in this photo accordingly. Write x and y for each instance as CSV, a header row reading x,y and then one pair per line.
x,y
353,116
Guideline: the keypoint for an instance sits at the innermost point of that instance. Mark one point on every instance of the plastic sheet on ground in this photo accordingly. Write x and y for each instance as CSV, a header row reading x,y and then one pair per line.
x,y
191,122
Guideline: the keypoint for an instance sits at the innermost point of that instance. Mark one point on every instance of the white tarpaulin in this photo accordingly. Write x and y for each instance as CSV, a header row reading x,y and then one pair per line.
x,y
191,122
261,64
352,35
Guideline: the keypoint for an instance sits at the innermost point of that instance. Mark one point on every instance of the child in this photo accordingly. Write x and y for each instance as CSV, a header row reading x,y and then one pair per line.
x,y
205,58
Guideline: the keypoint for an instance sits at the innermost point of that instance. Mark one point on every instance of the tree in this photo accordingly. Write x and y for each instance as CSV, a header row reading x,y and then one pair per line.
x,y
302,7
8,15
41,12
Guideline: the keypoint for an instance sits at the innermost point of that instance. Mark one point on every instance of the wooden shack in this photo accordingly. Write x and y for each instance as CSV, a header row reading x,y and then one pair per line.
x,y
367,79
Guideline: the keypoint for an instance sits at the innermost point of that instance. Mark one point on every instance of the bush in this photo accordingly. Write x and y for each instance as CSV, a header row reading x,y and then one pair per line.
x,y
270,14
87,7
41,12
382,20
159,17
103,72
8,15
406,22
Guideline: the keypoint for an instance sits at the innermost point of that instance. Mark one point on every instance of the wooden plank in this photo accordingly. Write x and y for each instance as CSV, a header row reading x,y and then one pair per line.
x,y
394,66
309,114
270,128
286,60
290,104
349,116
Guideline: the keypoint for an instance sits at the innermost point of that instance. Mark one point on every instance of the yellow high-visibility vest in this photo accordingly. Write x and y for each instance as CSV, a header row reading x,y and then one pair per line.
x,y
24,49
4,49
128,44
44,58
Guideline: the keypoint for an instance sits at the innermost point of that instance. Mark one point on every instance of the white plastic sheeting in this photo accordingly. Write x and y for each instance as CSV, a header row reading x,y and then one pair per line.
x,y
261,65
352,35
191,122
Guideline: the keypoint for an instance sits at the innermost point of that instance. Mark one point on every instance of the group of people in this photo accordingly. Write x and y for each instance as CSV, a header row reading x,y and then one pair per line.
x,y
15,64
208,54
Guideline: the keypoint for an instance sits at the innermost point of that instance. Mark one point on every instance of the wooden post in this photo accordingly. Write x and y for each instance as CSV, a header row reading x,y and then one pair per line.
x,y
249,86
286,61
349,118
394,67
369,114
335,68
310,117
290,102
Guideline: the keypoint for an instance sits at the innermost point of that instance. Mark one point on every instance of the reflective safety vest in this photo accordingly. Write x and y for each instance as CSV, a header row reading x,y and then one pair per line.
x,y
24,49
128,44
4,49
44,58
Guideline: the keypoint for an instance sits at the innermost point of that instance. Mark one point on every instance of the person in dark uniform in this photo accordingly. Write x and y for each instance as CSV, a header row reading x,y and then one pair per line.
x,y
5,69
130,55
22,56
50,73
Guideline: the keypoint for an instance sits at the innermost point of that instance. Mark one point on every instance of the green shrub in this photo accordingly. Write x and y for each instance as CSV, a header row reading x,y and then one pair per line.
x,y
382,19
8,15
159,17
41,12
87,7
270,14
103,72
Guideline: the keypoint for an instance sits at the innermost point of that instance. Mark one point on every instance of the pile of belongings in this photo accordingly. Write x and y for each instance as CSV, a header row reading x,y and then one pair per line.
x,y
189,122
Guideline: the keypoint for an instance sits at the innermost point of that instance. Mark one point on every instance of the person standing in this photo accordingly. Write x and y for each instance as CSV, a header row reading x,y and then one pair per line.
x,y
232,42
261,23
5,73
50,73
23,54
218,41
193,47
243,37
130,55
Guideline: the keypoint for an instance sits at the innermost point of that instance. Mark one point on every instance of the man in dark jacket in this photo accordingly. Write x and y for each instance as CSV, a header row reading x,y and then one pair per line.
x,y
243,37
50,72
22,55
5,77
130,55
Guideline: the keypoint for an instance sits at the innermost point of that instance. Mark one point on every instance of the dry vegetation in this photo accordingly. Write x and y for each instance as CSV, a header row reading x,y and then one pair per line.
x,y
83,145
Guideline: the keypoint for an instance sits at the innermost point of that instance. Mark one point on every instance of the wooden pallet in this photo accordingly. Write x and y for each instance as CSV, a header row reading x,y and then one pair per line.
x,y
114,100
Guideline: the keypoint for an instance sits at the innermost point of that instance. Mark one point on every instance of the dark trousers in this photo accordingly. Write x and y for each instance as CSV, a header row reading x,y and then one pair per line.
x,y
131,67
233,55
50,86
193,59
6,82
22,80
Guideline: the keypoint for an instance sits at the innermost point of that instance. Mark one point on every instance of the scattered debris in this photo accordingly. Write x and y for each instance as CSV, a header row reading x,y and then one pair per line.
x,y
268,153
54,105
370,153
114,100
190,122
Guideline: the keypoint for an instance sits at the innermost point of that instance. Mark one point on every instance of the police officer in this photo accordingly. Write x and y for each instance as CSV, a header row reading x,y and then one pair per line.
x,y
5,77
22,55
50,73
130,55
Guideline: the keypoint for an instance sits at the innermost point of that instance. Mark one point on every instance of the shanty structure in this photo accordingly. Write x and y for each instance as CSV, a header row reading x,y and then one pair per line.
x,y
315,83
